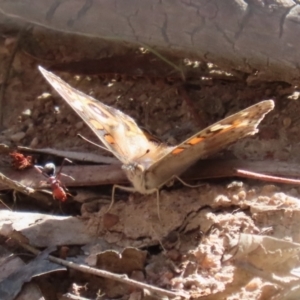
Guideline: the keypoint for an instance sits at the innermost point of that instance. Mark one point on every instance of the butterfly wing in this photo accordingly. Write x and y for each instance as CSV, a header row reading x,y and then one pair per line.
x,y
117,131
207,142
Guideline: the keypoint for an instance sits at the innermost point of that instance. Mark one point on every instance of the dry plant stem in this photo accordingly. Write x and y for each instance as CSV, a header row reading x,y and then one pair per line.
x,y
80,156
14,185
221,168
7,71
89,175
69,296
262,274
102,273
263,177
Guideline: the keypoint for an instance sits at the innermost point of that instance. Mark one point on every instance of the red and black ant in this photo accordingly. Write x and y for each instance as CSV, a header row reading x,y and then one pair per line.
x,y
20,161
58,190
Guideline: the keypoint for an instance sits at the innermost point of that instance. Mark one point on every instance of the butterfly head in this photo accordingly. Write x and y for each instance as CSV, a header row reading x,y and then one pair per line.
x,y
136,174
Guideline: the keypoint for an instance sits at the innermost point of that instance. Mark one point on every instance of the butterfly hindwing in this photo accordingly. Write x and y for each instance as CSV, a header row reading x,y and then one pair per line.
x,y
207,142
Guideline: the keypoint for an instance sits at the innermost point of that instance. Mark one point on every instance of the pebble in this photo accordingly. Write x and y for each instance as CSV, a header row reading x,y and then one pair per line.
x,y
35,114
34,142
71,118
30,130
18,136
294,96
79,125
287,122
60,118
48,106
40,100
26,113
142,98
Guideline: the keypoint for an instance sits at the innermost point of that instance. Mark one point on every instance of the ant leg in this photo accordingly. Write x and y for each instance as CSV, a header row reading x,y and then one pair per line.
x,y
62,165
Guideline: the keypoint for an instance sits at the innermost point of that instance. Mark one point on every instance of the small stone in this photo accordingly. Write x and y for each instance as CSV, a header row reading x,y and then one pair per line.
x,y
253,285
10,41
142,97
26,123
72,133
48,106
60,117
47,126
18,136
71,118
30,130
287,122
268,92
174,254
35,114
26,113
34,142
138,275
5,142
110,220
44,96
294,96
79,125
40,100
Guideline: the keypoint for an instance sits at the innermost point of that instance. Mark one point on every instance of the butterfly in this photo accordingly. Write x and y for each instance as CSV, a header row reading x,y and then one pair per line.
x,y
148,163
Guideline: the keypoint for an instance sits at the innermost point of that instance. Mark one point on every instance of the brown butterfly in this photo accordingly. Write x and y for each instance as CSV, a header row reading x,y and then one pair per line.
x,y
148,163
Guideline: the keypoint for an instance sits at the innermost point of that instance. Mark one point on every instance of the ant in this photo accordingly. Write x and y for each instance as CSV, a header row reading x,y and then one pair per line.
x,y
20,161
58,190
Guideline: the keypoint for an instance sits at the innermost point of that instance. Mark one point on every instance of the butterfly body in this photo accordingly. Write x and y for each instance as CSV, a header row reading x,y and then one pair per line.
x,y
148,163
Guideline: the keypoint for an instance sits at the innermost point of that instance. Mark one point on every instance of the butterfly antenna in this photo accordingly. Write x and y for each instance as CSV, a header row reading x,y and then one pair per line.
x,y
147,151
91,142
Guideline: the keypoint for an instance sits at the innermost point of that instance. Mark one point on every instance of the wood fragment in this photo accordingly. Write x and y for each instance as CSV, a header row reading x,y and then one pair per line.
x,y
264,177
77,156
102,273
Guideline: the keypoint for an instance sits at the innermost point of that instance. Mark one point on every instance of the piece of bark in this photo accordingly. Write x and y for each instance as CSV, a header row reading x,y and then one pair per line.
x,y
91,175
43,230
246,36
12,284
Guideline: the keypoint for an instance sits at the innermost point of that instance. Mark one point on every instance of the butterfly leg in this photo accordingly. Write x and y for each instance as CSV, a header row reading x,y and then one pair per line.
x,y
186,184
158,204
131,189
121,187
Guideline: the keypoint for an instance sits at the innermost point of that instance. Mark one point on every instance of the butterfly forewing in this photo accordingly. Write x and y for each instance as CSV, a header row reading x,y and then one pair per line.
x,y
118,132
207,142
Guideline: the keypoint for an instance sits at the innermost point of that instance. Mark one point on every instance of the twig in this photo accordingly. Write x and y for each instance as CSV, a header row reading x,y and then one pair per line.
x,y
220,168
264,177
7,71
70,296
14,185
19,187
164,59
86,269
89,175
80,156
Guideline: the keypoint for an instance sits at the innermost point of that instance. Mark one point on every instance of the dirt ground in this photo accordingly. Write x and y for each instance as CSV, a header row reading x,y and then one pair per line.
x,y
188,249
